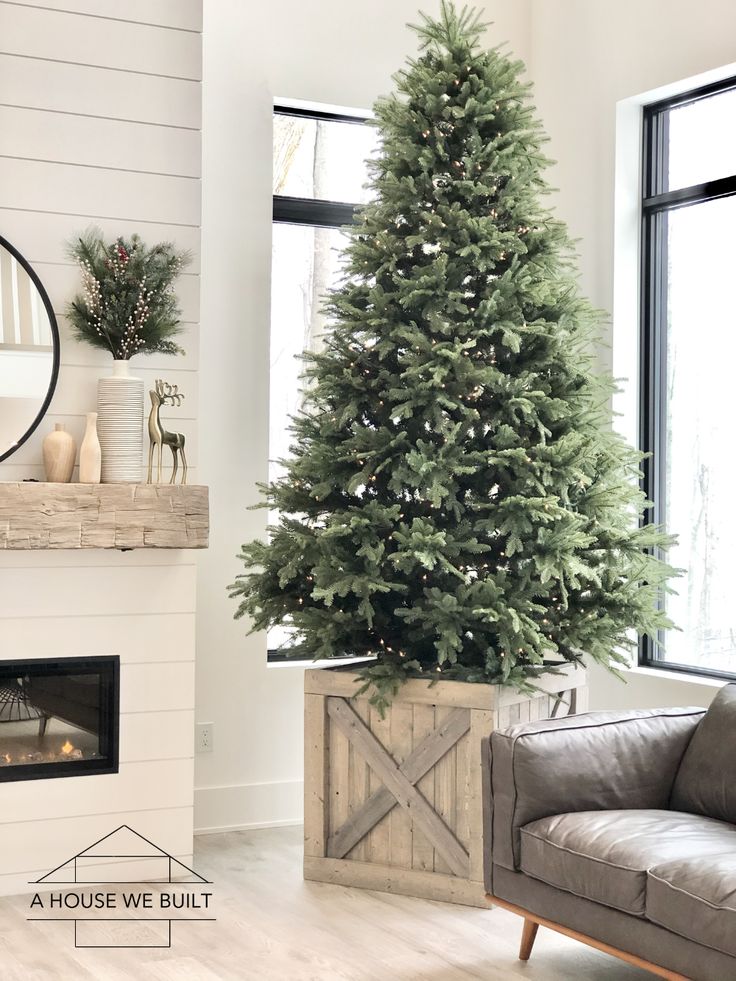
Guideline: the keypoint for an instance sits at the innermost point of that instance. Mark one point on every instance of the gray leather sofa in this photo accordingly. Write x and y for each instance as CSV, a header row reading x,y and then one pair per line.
x,y
620,829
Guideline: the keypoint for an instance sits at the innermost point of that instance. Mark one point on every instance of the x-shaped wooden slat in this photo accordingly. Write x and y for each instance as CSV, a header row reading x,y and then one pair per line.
x,y
399,781
571,703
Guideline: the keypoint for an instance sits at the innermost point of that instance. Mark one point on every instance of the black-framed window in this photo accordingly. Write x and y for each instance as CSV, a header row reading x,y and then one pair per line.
x,y
688,350
319,173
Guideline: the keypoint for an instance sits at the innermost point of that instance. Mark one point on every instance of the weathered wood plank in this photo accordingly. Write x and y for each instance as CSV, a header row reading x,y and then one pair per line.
x,y
481,726
378,846
539,708
49,516
348,837
422,850
569,676
359,789
339,776
579,700
401,748
486,807
316,759
525,711
381,801
464,787
405,882
406,794
459,694
445,789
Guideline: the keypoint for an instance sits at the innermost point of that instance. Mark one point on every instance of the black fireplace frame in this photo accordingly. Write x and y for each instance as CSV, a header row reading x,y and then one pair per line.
x,y
108,668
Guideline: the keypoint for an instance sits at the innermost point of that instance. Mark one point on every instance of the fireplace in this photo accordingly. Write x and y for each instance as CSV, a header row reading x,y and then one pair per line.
x,y
59,717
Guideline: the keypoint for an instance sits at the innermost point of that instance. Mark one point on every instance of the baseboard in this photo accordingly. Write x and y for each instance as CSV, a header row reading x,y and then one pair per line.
x,y
246,807
252,826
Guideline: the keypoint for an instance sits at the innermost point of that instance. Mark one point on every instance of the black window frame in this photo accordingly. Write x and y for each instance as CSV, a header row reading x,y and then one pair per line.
x,y
657,203
315,211
291,210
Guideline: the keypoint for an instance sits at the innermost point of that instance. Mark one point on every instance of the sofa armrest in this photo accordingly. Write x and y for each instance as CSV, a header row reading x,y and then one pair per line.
x,y
591,762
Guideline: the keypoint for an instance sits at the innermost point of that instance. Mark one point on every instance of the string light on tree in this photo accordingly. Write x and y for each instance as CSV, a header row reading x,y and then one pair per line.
x,y
458,363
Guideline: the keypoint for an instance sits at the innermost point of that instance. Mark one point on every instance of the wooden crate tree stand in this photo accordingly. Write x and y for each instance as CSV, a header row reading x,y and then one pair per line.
x,y
394,803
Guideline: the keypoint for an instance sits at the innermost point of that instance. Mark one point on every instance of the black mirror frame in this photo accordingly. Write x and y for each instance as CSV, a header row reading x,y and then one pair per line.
x,y
56,343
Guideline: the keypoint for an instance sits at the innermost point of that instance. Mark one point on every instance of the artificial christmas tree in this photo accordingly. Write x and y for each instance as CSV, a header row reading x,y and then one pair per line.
x,y
455,504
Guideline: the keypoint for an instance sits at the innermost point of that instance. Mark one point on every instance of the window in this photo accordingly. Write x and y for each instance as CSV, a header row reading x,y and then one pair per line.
x,y
319,173
688,353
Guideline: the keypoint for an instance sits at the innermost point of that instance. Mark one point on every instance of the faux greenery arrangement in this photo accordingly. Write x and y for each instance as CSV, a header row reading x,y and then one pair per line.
x,y
456,503
128,305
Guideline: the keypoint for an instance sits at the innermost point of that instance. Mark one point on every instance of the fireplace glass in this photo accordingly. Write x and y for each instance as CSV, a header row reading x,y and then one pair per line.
x,y
59,718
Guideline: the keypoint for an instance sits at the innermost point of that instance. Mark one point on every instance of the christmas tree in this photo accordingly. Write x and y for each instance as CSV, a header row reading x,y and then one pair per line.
x,y
455,504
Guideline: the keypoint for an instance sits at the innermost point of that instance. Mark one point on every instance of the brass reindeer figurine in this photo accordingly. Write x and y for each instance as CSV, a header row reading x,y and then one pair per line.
x,y
160,395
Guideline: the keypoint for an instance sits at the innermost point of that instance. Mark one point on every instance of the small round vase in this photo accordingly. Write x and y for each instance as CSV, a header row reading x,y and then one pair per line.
x,y
120,425
90,454
59,454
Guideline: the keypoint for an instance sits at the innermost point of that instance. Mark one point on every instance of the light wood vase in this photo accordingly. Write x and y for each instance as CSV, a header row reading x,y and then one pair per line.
x,y
59,454
120,425
90,454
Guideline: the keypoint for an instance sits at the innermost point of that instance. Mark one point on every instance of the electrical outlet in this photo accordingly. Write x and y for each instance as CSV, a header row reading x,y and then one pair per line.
x,y
205,737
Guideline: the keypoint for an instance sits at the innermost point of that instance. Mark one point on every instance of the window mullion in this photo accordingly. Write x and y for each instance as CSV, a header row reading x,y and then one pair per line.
x,y
312,211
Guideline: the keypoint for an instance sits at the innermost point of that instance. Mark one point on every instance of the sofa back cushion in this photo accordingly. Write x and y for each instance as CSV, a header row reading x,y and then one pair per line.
x,y
706,780
598,761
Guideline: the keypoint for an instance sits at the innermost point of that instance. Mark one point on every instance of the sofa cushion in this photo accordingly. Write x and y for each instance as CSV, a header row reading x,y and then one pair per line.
x,y
590,762
605,855
706,779
696,898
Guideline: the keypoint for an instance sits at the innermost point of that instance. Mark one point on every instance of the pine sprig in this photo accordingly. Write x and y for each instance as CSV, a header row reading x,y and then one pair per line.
x,y
127,305
456,504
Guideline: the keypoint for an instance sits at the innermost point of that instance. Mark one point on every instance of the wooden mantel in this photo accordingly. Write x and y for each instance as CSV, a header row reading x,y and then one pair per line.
x,y
42,516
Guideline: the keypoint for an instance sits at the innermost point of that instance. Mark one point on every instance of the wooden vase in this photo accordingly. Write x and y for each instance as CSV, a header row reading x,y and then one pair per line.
x,y
90,454
59,454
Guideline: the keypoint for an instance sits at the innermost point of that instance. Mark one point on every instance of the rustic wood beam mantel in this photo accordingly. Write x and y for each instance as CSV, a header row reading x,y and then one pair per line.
x,y
42,516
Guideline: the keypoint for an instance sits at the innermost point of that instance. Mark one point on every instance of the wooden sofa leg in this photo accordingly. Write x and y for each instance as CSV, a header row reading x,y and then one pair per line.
x,y
528,936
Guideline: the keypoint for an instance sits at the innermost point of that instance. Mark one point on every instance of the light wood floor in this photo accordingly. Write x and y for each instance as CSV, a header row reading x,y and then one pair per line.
x,y
272,926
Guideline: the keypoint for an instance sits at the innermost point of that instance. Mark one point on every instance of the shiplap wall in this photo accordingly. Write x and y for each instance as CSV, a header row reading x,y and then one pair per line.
x,y
100,117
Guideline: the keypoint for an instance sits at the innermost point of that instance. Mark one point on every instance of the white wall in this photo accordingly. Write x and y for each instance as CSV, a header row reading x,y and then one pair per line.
x,y
100,114
585,57
329,51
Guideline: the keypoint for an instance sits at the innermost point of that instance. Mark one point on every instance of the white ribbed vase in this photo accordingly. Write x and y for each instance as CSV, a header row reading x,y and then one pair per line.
x,y
120,425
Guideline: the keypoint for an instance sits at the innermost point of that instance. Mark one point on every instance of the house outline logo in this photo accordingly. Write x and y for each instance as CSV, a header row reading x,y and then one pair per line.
x,y
121,848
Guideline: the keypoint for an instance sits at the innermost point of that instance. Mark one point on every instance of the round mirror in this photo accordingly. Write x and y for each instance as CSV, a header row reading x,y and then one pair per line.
x,y
29,350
